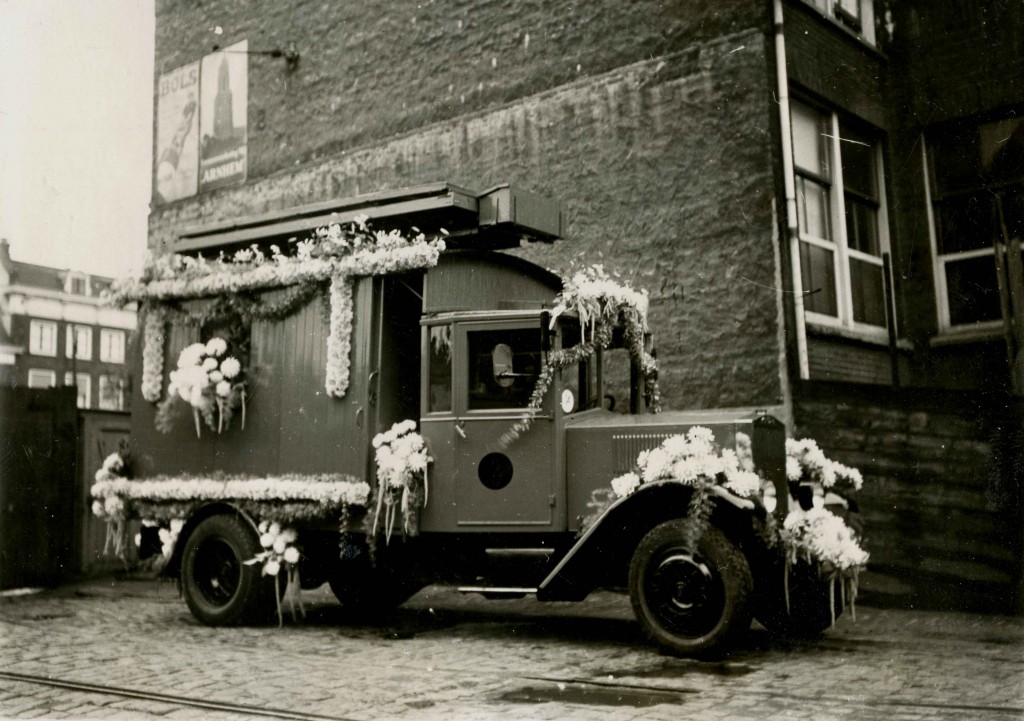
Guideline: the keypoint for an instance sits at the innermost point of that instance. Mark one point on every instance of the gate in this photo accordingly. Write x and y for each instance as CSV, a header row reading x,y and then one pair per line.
x,y
102,433
38,433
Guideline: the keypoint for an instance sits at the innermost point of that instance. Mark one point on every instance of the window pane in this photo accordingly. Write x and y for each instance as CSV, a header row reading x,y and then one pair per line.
x,y
812,198
819,279
503,367
41,378
809,152
861,226
440,365
112,346
111,393
965,222
858,158
973,291
867,287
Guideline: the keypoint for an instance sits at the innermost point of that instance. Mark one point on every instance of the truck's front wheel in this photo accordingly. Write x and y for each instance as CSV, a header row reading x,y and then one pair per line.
x,y
220,589
690,600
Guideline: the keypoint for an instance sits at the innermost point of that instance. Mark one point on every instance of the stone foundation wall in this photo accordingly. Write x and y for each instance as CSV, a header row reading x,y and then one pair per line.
x,y
941,503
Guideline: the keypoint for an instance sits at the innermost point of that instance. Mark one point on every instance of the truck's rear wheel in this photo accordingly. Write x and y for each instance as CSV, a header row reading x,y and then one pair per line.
x,y
220,589
690,600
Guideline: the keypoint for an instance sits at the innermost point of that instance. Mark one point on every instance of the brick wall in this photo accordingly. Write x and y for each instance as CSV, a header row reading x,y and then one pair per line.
x,y
942,497
664,165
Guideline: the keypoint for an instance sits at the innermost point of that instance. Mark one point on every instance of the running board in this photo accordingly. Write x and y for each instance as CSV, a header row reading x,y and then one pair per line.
x,y
498,591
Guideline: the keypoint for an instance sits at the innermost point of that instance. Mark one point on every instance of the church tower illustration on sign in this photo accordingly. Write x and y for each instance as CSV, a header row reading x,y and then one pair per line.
x,y
223,122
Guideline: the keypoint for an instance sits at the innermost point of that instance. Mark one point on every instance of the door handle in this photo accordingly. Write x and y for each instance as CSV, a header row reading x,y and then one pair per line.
x,y
460,428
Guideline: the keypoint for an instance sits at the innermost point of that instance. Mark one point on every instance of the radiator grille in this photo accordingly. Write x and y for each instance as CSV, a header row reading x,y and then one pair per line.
x,y
629,445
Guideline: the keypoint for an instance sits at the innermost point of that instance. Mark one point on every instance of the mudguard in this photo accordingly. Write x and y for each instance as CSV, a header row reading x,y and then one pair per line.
x,y
601,555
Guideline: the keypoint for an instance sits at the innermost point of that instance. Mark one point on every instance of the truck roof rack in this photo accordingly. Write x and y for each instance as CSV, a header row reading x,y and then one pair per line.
x,y
500,217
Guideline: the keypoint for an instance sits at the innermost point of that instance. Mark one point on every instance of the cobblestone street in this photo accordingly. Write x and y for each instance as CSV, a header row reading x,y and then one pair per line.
x,y
130,649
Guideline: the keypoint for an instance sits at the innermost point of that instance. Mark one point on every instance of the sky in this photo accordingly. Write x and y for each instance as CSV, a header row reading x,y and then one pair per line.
x,y
76,125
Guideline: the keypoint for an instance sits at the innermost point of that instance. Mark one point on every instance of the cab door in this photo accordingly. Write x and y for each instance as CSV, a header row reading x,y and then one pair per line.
x,y
500,482
478,480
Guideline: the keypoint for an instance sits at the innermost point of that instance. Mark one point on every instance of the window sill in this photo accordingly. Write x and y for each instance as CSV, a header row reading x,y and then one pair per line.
x,y
881,340
841,29
963,337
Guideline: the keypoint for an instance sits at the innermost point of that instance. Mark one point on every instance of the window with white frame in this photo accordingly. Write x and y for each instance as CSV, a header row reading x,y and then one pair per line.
x,y
976,191
112,393
39,378
858,16
78,342
111,346
82,382
42,337
842,221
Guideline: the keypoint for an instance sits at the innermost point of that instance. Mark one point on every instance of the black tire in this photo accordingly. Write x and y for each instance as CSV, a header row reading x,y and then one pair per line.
x,y
220,589
690,601
808,614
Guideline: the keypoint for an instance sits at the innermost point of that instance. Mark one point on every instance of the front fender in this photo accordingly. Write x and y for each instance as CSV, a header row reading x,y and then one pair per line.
x,y
601,556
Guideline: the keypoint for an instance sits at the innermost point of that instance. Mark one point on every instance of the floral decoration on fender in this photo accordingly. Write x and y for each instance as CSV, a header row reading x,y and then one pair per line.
x,y
323,265
694,460
402,461
817,537
210,381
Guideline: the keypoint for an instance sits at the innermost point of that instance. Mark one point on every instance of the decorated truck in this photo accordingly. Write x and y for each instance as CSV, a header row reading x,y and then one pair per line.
x,y
375,394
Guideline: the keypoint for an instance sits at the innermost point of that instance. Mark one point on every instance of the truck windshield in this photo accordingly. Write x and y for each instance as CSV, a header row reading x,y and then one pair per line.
x,y
580,379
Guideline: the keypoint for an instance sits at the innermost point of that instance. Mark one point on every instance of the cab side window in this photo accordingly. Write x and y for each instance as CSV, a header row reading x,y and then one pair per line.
x,y
440,368
503,367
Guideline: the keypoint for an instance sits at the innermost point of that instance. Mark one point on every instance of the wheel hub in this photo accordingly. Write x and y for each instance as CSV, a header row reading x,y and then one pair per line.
x,y
217,572
684,593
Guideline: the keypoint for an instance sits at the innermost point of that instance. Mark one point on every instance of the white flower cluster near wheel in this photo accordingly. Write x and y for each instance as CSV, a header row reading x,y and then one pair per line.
x,y
280,552
210,381
402,461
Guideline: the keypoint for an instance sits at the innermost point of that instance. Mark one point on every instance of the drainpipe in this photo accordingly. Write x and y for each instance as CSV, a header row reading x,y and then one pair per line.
x,y
789,180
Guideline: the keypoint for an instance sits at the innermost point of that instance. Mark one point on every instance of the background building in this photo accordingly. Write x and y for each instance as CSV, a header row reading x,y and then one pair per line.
x,y
54,331
820,195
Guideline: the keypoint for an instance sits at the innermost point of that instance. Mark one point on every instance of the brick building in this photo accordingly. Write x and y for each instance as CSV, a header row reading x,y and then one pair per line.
x,y
55,331
811,190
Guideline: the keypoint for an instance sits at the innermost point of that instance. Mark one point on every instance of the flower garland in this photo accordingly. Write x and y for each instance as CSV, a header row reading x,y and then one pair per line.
x,y
286,498
210,381
153,353
339,339
402,461
602,304
817,536
280,552
334,255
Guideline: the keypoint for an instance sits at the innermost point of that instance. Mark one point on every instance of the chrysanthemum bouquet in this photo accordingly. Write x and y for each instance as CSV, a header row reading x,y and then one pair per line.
x,y
210,381
402,460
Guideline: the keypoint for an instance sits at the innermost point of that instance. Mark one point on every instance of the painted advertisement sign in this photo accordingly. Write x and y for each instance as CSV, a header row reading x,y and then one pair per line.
x,y
224,99
177,134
